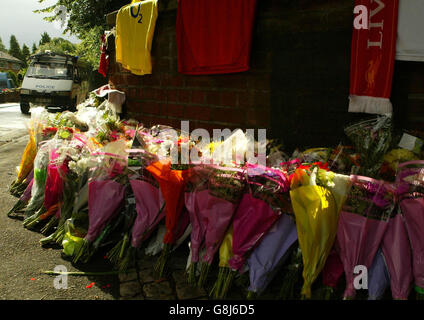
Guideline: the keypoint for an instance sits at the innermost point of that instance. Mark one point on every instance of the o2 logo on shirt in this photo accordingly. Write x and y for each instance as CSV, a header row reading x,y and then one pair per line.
x,y
138,14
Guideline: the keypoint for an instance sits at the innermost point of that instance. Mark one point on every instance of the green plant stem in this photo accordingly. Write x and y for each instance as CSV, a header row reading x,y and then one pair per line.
x,y
216,289
18,206
327,292
129,258
251,295
204,272
123,247
192,273
83,253
52,223
81,273
60,233
46,240
163,259
228,283
102,235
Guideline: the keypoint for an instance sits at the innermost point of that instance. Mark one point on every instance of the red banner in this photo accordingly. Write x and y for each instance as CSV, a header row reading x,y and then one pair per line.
x,y
373,56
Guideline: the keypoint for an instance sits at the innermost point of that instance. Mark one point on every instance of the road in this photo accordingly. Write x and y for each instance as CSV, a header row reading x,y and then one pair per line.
x,y
13,124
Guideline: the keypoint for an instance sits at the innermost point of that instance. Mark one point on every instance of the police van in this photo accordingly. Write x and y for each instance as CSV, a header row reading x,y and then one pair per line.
x,y
53,80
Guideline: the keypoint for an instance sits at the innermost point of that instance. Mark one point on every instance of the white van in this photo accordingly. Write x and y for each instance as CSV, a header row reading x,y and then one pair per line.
x,y
52,80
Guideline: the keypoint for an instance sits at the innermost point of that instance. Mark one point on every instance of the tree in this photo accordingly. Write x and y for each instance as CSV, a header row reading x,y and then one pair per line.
x,y
25,53
14,48
82,14
58,45
45,38
89,48
2,46
34,48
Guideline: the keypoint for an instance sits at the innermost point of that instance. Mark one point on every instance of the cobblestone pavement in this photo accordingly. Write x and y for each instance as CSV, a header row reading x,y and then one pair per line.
x,y
141,282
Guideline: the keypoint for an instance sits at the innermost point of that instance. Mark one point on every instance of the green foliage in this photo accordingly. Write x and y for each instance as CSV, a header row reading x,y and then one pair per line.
x,y
34,48
58,45
89,48
22,72
25,54
2,46
83,14
14,48
45,38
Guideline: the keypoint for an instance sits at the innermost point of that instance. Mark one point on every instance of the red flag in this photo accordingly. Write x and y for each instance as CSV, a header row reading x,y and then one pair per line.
x,y
372,58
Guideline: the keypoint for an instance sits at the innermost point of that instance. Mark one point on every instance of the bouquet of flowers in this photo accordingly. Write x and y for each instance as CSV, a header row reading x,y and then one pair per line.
x,y
266,259
53,190
410,192
372,139
171,184
267,198
225,187
362,225
343,159
392,159
196,200
41,162
106,185
73,172
149,208
317,216
398,257
25,168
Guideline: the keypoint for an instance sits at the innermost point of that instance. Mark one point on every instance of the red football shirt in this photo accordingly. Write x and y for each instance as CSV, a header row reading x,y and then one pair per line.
x,y
214,36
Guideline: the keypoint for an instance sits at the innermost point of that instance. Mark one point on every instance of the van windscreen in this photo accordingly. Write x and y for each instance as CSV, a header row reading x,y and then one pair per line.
x,y
49,70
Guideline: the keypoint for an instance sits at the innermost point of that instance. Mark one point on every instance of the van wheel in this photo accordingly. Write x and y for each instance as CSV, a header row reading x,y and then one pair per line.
x,y
25,108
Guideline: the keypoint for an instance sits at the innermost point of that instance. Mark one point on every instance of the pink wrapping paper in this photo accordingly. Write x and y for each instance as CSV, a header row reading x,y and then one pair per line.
x,y
149,201
397,251
252,220
410,192
197,206
358,238
220,213
104,199
53,190
413,210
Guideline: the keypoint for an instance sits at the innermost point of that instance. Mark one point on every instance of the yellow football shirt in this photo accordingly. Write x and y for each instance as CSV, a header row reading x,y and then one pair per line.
x,y
135,26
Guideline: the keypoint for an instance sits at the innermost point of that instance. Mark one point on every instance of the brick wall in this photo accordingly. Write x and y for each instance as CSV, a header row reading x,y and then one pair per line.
x,y
219,101
297,87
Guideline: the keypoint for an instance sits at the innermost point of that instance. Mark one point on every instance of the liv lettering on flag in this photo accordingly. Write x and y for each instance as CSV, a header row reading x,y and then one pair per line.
x,y
363,21
373,55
